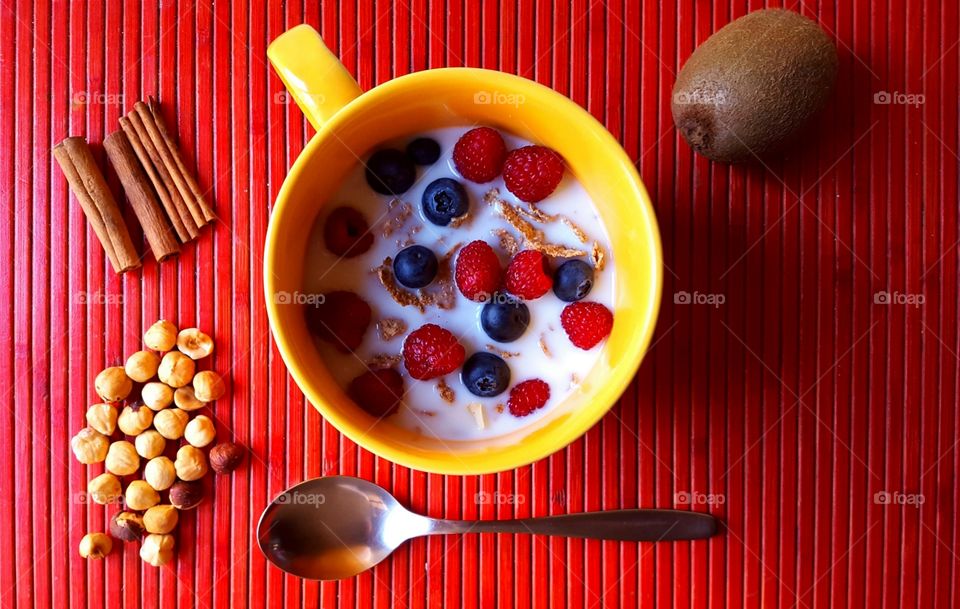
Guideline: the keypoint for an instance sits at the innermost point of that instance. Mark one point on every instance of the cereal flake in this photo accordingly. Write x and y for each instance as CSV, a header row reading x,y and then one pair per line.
x,y
391,328
446,392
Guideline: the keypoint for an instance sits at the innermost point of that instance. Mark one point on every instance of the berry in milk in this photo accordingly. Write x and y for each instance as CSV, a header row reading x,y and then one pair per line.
x,y
466,283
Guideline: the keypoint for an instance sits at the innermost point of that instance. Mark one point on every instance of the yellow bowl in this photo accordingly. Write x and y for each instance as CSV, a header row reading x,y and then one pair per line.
x,y
349,125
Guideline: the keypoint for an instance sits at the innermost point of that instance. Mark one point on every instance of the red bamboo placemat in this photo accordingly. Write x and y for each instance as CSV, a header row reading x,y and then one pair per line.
x,y
806,412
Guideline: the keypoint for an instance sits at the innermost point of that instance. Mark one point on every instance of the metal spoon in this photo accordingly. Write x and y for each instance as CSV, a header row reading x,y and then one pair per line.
x,y
337,527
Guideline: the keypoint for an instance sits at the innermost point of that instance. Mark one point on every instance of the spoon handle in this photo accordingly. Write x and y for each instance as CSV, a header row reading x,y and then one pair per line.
x,y
616,525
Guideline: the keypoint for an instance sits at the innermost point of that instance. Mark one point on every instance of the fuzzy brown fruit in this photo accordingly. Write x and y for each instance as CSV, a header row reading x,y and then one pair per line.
x,y
747,90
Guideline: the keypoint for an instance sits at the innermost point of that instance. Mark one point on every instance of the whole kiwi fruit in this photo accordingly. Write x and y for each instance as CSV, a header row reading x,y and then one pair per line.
x,y
752,85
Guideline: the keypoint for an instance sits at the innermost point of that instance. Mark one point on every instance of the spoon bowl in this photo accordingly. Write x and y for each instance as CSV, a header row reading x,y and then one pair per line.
x,y
334,527
337,526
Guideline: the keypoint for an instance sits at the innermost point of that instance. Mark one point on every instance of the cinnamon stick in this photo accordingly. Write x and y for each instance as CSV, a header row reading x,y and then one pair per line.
x,y
135,183
153,132
180,207
168,206
205,209
91,190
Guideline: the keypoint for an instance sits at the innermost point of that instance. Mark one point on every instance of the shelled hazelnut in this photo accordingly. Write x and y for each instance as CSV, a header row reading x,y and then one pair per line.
x,y
225,457
171,423
161,336
156,396
150,444
186,495
89,446
200,431
208,386
122,458
113,384
135,419
141,496
127,526
191,463
103,418
176,369
95,545
160,473
104,489
162,376
160,519
194,343
186,399
157,550
142,366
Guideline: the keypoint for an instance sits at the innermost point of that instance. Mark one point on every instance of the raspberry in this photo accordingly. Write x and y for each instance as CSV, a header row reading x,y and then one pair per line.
x,y
431,351
479,154
528,276
340,318
346,233
532,173
478,272
586,323
527,397
377,391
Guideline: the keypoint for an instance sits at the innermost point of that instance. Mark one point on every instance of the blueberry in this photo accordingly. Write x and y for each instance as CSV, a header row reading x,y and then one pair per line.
x,y
485,374
390,172
444,200
504,318
573,280
415,266
424,151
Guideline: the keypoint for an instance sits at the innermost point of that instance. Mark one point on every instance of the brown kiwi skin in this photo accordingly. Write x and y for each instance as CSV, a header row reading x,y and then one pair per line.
x,y
750,87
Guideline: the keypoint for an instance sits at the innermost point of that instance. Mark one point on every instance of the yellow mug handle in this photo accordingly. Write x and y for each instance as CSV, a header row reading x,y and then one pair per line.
x,y
312,74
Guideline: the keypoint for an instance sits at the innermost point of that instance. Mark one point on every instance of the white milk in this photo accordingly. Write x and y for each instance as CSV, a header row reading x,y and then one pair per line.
x,y
423,409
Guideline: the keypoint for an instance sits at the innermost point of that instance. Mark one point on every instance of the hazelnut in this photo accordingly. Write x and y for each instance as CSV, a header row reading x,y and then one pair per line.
x,y
150,444
142,366
200,431
90,446
170,423
225,457
194,343
157,550
191,463
176,369
186,495
127,526
161,336
135,419
141,496
156,396
186,399
103,418
122,458
95,545
160,519
113,384
208,386
160,473
104,489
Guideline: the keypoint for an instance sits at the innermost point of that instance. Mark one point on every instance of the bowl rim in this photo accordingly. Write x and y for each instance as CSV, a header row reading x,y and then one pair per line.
x,y
508,457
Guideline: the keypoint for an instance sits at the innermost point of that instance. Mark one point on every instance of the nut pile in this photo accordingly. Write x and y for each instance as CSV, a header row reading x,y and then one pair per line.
x,y
153,446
